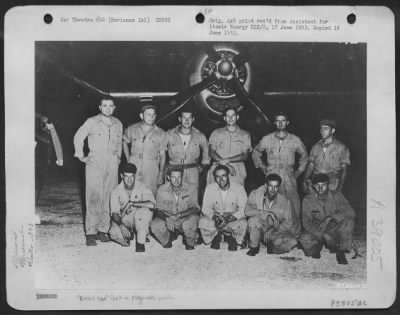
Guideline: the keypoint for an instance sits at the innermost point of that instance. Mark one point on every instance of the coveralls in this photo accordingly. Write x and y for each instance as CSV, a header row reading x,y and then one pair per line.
x,y
315,211
165,200
234,203
105,147
138,219
145,153
197,147
228,144
282,239
280,160
328,159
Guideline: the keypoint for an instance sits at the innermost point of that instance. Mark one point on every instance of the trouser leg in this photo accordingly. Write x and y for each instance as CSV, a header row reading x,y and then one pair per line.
x,y
342,234
238,229
256,231
311,244
143,218
160,231
279,243
189,228
208,229
94,196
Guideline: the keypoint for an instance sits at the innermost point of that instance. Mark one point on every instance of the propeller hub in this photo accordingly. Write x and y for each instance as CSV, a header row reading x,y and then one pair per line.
x,y
225,67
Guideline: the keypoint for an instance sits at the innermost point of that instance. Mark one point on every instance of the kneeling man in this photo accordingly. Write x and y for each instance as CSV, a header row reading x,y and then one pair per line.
x,y
328,218
177,211
130,204
223,209
272,218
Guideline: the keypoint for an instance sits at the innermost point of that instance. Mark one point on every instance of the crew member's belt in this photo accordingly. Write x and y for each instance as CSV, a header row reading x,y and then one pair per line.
x,y
182,166
140,156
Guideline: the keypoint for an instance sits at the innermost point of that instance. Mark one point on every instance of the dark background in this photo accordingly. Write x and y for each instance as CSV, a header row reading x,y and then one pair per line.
x,y
333,75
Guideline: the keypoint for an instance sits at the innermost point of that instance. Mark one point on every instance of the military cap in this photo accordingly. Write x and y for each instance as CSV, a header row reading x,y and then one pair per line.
x,y
320,178
129,168
147,106
328,122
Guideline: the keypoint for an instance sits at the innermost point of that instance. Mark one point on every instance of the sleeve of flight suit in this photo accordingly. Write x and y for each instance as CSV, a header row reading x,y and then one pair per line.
x,y
205,158
80,137
302,151
115,206
343,208
242,200
257,153
345,156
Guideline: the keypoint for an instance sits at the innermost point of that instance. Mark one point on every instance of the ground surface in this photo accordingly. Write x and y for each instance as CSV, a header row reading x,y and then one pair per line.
x,y
64,262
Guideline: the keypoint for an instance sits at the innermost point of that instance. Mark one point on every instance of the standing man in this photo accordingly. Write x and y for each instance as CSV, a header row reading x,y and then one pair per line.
x,y
130,203
177,211
328,156
271,219
223,209
328,218
147,148
230,146
281,148
104,133
188,149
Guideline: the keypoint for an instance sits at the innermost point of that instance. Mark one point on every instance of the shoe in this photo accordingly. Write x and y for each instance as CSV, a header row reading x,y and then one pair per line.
x,y
91,240
253,251
216,242
341,258
172,237
244,244
139,248
103,237
232,245
199,239
122,242
188,247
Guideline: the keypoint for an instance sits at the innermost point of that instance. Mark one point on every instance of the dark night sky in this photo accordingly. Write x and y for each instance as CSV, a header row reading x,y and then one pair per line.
x,y
335,72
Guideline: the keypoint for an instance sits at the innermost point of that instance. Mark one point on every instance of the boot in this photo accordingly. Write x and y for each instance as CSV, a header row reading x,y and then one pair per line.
x,y
216,242
103,237
341,258
172,237
232,245
188,247
91,240
244,243
199,238
253,251
140,248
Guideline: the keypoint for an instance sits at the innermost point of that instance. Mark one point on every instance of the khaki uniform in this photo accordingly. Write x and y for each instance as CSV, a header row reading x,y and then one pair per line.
x,y
284,238
197,148
281,159
229,144
165,200
234,203
145,153
328,159
105,147
315,211
139,219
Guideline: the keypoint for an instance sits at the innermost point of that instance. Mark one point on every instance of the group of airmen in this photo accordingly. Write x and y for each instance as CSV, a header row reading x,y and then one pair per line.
x,y
159,189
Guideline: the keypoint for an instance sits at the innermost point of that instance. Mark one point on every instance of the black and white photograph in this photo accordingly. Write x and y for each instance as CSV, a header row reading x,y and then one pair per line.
x,y
201,166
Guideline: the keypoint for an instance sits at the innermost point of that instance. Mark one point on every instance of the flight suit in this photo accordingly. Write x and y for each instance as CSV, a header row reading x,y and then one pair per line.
x,y
280,160
229,144
145,153
315,211
328,159
234,203
105,147
165,201
282,239
197,147
138,219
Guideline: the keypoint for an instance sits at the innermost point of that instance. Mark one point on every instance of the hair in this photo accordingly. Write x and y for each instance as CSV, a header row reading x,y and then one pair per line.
x,y
106,98
174,169
129,168
273,177
230,108
281,114
220,167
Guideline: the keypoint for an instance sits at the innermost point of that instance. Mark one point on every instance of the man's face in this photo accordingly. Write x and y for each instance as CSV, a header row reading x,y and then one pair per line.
x,y
107,107
231,118
281,123
326,131
186,120
272,189
149,116
321,188
129,180
222,179
175,178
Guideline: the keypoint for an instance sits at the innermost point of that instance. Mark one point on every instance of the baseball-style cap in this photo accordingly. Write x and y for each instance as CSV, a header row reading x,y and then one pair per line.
x,y
328,122
129,168
147,106
320,178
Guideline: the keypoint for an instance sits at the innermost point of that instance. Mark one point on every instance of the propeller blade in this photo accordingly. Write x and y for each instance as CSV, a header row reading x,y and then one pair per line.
x,y
179,100
56,144
212,53
244,97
